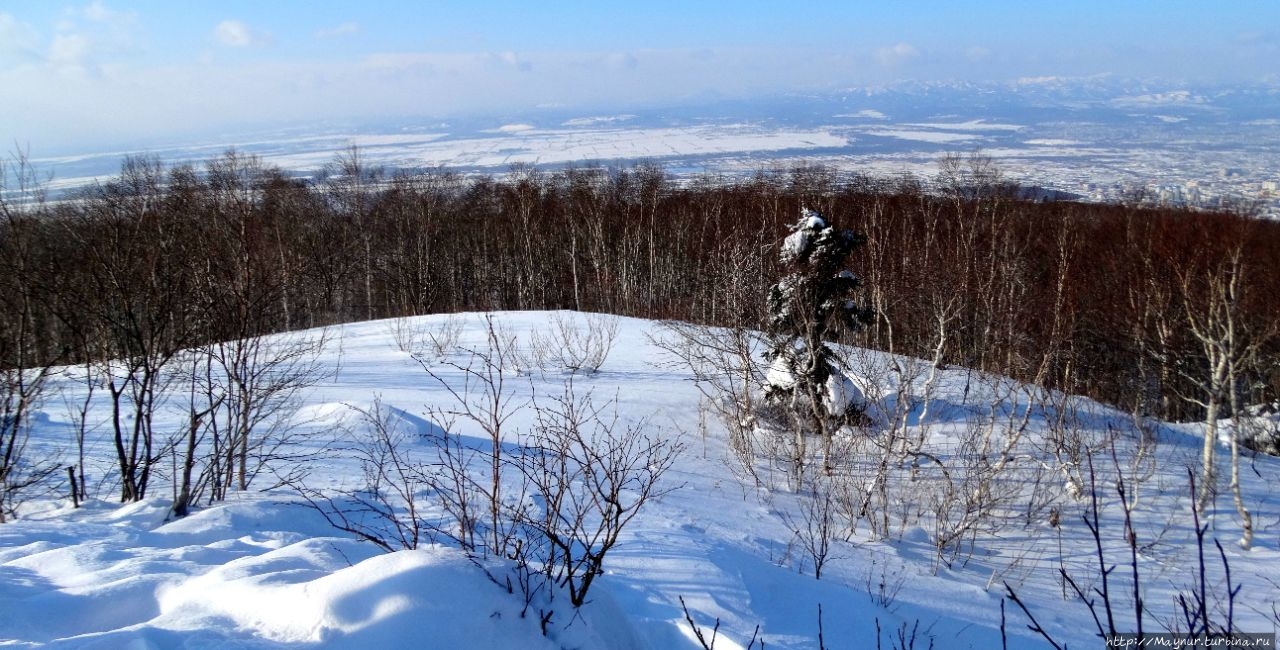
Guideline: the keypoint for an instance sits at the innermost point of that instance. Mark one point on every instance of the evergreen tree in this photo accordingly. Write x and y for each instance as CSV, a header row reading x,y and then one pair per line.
x,y
810,305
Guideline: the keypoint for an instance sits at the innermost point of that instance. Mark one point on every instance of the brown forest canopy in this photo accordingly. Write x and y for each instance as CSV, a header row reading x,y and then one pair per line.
x,y
1094,299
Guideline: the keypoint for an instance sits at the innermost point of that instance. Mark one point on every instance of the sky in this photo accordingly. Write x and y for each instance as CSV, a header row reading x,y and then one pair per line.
x,y
114,72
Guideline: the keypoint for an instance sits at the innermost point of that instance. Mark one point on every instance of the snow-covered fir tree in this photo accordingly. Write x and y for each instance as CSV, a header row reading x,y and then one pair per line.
x,y
810,305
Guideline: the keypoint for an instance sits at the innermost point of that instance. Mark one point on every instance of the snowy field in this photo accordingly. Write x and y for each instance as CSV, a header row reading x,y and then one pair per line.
x,y
262,569
495,149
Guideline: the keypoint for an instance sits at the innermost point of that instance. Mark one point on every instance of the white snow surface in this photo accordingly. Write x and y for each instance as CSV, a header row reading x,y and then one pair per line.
x,y
794,245
842,393
923,135
261,570
522,143
797,242
779,374
970,125
812,220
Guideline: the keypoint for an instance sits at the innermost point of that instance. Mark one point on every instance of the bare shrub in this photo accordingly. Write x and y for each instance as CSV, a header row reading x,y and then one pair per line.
x,y
905,636
261,381
437,337
463,500
592,474
981,490
882,583
725,368
555,505
418,485
813,529
444,335
387,509
408,333
534,357
889,443
1200,610
575,346
1065,443
699,633
481,396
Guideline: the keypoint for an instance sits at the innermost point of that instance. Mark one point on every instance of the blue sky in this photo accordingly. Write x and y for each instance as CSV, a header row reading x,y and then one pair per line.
x,y
112,71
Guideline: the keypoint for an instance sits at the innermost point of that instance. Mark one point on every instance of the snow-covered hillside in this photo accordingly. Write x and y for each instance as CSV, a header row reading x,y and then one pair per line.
x,y
735,543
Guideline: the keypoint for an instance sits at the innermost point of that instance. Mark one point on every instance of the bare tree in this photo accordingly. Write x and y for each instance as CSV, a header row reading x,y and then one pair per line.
x,y
256,384
351,185
1213,299
187,487
24,367
136,290
21,390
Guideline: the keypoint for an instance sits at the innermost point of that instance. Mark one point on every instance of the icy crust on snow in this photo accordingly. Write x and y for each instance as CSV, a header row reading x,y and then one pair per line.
x,y
263,571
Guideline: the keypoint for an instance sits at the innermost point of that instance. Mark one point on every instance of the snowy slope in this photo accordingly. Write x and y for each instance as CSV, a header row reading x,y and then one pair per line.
x,y
262,570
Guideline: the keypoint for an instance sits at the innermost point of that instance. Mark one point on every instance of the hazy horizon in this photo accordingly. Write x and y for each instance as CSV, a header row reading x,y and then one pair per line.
x,y
112,73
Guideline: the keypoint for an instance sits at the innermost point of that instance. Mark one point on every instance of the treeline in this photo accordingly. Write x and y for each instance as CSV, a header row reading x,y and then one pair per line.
x,y
1136,306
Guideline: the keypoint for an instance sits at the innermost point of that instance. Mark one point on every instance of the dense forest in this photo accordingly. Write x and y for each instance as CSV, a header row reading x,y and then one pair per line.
x,y
1165,312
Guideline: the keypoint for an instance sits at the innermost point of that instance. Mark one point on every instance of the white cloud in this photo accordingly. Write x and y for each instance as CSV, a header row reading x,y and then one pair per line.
x,y
15,36
221,91
69,51
515,128
234,33
896,54
87,35
344,29
99,13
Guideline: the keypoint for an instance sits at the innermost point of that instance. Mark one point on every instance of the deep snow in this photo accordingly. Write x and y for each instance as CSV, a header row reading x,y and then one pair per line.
x,y
262,570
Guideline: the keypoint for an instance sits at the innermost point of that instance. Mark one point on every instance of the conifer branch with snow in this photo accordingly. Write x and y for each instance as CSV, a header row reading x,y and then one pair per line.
x,y
810,305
